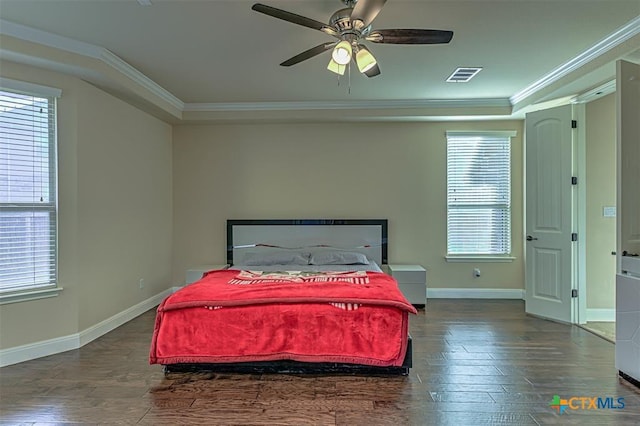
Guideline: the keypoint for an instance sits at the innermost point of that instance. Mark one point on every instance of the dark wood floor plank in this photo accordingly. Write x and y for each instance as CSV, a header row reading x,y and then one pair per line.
x,y
463,396
452,387
476,362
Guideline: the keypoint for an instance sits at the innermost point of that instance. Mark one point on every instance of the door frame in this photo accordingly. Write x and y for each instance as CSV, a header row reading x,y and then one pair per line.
x,y
580,213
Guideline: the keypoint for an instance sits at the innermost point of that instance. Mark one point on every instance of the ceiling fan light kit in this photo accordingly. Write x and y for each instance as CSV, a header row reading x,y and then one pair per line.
x,y
352,26
342,53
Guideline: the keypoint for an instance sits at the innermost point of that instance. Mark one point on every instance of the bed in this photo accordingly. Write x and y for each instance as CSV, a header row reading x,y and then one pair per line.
x,y
298,296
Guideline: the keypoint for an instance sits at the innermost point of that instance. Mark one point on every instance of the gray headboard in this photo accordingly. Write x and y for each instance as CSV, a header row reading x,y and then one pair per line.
x,y
368,236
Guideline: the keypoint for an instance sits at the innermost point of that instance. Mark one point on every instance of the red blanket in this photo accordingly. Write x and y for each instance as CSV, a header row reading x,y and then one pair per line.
x,y
234,316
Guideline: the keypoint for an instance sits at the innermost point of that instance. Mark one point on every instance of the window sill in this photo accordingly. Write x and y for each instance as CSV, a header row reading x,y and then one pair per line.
x,y
479,258
29,295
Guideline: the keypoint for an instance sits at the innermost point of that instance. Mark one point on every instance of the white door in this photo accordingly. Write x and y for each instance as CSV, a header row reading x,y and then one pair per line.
x,y
628,99
549,251
628,225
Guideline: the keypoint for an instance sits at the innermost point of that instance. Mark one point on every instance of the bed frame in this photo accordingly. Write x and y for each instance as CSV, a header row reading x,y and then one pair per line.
x,y
368,236
295,367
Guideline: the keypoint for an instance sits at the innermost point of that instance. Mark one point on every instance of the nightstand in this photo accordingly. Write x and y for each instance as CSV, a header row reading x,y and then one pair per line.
x,y
196,272
412,280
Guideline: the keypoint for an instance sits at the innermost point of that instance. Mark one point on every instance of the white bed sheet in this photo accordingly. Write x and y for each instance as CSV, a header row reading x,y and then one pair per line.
x,y
371,267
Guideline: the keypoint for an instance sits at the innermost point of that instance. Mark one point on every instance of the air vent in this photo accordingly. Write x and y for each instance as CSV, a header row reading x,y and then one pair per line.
x,y
463,74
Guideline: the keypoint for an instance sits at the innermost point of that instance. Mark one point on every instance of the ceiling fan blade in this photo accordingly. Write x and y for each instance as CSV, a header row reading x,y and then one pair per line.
x,y
307,54
410,36
294,19
373,71
366,11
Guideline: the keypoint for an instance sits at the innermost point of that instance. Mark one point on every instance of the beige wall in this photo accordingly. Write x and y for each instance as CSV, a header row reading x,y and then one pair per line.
x,y
375,170
115,216
601,192
138,199
124,205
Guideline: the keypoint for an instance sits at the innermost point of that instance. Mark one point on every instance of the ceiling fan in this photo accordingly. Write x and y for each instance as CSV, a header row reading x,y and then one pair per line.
x,y
351,26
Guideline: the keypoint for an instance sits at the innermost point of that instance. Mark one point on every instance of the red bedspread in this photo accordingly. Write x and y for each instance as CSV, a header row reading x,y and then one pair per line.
x,y
236,316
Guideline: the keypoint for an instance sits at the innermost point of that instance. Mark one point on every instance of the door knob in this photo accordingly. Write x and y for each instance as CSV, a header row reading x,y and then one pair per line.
x,y
530,238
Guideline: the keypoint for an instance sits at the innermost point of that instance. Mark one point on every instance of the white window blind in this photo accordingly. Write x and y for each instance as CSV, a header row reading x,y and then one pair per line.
x,y
28,200
479,193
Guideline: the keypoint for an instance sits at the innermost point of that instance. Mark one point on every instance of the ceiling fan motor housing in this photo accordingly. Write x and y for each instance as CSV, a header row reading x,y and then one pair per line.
x,y
349,30
341,20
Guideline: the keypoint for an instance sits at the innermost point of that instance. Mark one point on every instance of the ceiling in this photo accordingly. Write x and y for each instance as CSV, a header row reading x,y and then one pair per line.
x,y
215,59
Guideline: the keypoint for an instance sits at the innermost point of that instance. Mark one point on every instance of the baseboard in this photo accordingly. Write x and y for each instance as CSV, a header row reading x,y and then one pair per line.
x,y
38,349
66,343
474,293
601,314
103,327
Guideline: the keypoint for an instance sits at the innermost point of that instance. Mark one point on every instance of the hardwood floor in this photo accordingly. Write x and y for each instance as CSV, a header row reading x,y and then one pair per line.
x,y
476,362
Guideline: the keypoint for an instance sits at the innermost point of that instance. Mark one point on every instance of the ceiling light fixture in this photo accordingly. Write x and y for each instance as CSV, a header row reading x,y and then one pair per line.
x,y
364,59
342,52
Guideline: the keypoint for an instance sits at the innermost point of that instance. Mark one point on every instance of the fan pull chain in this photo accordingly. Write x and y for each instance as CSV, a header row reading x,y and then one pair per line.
x,y
349,77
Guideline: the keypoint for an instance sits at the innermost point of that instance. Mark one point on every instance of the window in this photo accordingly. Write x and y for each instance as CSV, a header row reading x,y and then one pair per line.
x,y
28,199
478,194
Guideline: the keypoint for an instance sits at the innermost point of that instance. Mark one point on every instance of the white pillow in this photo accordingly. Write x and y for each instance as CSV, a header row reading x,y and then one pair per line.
x,y
276,258
338,257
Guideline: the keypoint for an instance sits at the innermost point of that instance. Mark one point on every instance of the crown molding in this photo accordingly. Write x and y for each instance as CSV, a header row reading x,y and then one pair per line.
x,y
346,105
348,111
622,34
92,51
130,72
49,39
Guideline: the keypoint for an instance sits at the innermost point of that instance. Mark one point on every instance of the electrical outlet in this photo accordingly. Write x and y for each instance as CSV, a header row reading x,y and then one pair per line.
x,y
141,283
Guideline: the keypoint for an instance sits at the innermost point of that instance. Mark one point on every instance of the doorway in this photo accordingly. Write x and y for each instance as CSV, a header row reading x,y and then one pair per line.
x,y
600,215
589,262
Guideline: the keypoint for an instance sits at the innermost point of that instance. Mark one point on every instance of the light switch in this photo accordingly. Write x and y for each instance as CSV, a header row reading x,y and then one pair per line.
x,y
609,211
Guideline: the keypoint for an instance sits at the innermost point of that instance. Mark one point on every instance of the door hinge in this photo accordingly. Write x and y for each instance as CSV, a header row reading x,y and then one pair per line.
x,y
574,236
574,293
574,180
574,124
